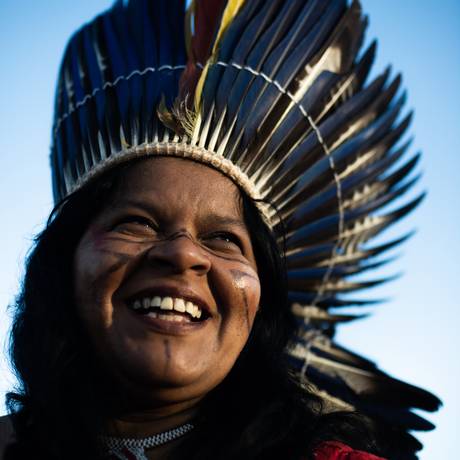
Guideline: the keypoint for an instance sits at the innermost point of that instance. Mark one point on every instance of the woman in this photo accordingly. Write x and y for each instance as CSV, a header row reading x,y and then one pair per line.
x,y
155,316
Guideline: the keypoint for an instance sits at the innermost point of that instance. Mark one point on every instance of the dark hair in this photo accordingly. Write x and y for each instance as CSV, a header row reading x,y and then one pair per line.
x,y
259,411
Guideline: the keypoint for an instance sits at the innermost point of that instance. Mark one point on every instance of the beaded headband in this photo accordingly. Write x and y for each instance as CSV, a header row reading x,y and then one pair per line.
x,y
273,94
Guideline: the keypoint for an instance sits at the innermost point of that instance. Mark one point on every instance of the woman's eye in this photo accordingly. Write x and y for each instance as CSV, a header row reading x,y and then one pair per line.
x,y
224,242
134,225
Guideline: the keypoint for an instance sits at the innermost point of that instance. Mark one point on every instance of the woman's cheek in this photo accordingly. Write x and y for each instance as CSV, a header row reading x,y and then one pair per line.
x,y
247,287
100,265
106,254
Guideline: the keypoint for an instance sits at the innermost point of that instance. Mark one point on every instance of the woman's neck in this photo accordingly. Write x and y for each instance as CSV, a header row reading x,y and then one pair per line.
x,y
148,422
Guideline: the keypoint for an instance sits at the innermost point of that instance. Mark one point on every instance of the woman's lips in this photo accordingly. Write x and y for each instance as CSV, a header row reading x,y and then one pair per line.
x,y
166,323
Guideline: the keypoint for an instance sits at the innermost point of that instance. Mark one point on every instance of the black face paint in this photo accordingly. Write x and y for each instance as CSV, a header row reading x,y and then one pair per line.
x,y
167,354
122,259
97,286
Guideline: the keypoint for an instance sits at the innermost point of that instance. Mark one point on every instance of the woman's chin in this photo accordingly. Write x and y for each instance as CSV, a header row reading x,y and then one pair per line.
x,y
159,375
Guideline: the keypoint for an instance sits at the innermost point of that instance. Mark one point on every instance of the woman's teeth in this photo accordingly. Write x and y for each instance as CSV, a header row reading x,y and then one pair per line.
x,y
167,304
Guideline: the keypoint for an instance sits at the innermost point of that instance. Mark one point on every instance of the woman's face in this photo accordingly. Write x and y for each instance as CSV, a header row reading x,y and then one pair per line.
x,y
173,238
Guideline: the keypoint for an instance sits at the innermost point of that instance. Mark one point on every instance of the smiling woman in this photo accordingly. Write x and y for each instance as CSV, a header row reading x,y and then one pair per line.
x,y
151,259
216,189
120,366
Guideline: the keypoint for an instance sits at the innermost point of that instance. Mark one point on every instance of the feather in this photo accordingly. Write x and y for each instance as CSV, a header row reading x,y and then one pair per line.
x,y
365,106
317,315
373,384
353,187
264,102
306,298
256,42
349,84
230,11
231,42
339,271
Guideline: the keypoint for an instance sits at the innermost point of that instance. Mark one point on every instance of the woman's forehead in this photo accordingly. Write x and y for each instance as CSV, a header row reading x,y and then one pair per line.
x,y
178,185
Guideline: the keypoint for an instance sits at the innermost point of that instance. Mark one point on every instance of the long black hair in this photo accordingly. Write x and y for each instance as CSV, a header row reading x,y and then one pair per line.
x,y
258,411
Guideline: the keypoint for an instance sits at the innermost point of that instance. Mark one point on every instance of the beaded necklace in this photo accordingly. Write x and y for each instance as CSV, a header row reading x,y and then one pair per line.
x,y
134,449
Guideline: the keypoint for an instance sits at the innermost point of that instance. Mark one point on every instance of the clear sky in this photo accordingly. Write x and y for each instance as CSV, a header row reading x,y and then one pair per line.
x,y
414,336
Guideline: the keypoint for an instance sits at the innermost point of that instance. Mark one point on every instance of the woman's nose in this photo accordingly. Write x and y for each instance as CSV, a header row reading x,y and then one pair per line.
x,y
179,254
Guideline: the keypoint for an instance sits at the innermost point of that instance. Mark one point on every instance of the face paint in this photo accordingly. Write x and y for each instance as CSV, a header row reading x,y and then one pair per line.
x,y
240,278
167,354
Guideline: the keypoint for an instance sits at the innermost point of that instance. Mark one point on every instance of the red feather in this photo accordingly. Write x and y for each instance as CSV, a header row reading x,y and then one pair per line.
x,y
208,14
206,20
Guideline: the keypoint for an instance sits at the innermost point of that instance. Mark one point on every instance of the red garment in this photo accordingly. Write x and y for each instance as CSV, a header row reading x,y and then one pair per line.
x,y
333,450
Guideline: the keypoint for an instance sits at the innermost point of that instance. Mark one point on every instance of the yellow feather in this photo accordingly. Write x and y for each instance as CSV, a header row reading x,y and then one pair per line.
x,y
231,10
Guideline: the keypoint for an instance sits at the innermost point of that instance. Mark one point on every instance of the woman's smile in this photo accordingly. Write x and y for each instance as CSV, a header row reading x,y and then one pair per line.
x,y
170,309
166,280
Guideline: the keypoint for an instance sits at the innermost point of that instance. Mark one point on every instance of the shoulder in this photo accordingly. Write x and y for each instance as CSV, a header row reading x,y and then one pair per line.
x,y
6,434
333,450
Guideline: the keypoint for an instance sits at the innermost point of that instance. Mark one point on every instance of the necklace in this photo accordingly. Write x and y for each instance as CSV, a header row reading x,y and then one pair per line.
x,y
134,449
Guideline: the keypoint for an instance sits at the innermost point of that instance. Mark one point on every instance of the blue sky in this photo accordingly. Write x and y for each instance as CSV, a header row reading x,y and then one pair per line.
x,y
414,336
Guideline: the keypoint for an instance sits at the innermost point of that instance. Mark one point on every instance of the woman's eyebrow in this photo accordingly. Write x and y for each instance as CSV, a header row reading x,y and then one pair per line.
x,y
209,219
216,219
124,203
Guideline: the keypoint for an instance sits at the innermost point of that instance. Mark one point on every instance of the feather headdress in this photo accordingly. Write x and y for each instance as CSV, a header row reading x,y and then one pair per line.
x,y
274,95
